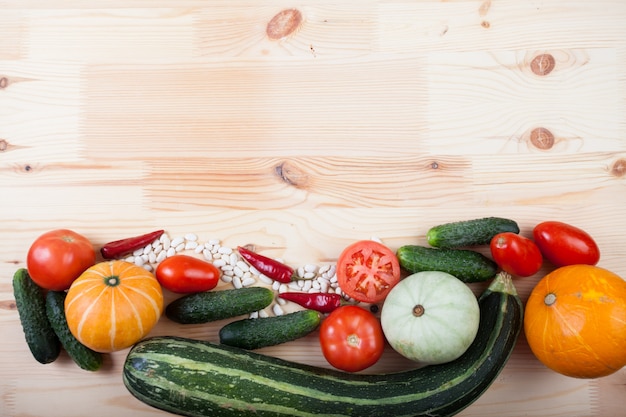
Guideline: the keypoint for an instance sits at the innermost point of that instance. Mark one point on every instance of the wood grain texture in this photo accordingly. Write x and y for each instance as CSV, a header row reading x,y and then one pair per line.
x,y
376,118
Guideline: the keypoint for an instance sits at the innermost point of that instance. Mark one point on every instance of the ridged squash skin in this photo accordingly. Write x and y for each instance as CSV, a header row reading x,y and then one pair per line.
x,y
198,378
430,317
113,305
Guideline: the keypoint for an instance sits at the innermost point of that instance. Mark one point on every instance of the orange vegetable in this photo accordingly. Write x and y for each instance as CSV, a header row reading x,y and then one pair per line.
x,y
113,305
575,321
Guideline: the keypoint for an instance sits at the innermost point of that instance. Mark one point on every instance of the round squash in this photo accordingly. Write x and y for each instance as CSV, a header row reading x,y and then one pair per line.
x,y
113,305
430,317
575,321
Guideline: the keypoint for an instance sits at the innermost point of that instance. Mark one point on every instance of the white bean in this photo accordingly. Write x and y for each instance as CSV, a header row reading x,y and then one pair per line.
x,y
191,237
246,282
277,310
263,314
237,282
180,247
275,285
171,251
177,241
225,250
266,279
226,278
161,256
243,266
191,245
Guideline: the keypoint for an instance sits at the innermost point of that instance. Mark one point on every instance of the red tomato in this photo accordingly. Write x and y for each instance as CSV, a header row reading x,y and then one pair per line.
x,y
564,244
185,274
516,254
352,338
58,257
367,270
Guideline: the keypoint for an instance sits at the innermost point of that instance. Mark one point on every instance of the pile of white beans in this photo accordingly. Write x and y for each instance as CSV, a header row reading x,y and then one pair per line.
x,y
235,271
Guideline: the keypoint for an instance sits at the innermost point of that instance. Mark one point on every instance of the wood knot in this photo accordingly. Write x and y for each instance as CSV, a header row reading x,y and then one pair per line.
x,y
619,168
542,64
4,145
283,24
4,82
485,24
8,305
291,174
541,138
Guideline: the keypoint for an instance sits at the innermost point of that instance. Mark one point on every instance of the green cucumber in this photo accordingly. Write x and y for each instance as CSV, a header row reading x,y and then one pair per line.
x,y
210,306
83,356
269,331
31,307
198,378
469,232
467,265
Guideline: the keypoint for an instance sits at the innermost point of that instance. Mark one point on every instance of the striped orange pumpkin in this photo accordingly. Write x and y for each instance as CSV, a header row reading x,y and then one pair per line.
x,y
113,305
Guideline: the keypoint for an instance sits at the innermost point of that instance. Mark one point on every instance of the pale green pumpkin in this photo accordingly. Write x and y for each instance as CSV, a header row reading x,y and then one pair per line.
x,y
430,317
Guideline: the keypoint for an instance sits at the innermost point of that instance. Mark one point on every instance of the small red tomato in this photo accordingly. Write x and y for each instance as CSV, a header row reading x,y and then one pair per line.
x,y
367,270
58,257
516,254
563,244
352,338
186,274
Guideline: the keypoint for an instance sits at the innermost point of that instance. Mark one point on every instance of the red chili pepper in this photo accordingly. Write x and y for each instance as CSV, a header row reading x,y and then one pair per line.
x,y
318,301
267,266
122,247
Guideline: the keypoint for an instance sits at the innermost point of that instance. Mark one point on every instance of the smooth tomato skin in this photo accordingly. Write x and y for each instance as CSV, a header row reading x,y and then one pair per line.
x,y
563,244
367,270
516,254
56,258
351,338
185,274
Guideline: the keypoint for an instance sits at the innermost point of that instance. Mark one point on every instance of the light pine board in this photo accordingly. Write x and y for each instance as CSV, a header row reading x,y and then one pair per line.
x,y
373,118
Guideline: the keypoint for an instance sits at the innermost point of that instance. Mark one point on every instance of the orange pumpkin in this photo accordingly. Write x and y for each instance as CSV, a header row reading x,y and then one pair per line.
x,y
575,321
113,305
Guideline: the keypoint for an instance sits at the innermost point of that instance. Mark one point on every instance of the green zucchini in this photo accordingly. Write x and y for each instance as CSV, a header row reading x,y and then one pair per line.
x,y
467,265
31,307
469,232
199,378
204,307
269,331
83,356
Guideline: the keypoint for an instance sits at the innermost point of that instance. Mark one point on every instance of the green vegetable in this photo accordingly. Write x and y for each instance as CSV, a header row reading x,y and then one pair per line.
x,y
469,232
269,331
83,356
466,265
198,378
31,307
209,306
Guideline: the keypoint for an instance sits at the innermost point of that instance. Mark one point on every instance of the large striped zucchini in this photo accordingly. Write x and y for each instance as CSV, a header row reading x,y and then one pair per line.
x,y
197,378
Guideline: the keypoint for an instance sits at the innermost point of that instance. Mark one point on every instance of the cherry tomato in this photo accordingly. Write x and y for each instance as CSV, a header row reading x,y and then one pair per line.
x,y
352,338
516,254
367,270
56,258
563,244
186,274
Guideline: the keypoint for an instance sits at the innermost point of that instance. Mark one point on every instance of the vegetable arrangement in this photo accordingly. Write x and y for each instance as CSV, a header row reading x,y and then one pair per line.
x,y
429,315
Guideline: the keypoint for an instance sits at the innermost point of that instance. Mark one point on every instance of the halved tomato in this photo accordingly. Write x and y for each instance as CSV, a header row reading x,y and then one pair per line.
x,y
367,270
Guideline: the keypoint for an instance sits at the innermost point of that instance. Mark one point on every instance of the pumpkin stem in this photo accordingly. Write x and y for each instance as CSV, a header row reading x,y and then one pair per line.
x,y
418,310
112,280
549,299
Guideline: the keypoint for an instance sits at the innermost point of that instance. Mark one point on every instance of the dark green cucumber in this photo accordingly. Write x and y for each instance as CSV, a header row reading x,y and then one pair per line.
x,y
83,356
209,306
469,232
269,331
198,378
467,265
31,307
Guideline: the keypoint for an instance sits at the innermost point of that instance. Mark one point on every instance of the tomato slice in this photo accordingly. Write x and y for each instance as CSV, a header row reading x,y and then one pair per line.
x,y
367,270
351,338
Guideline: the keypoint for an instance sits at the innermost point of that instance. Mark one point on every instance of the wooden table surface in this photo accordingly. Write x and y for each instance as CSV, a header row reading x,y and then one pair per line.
x,y
365,118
